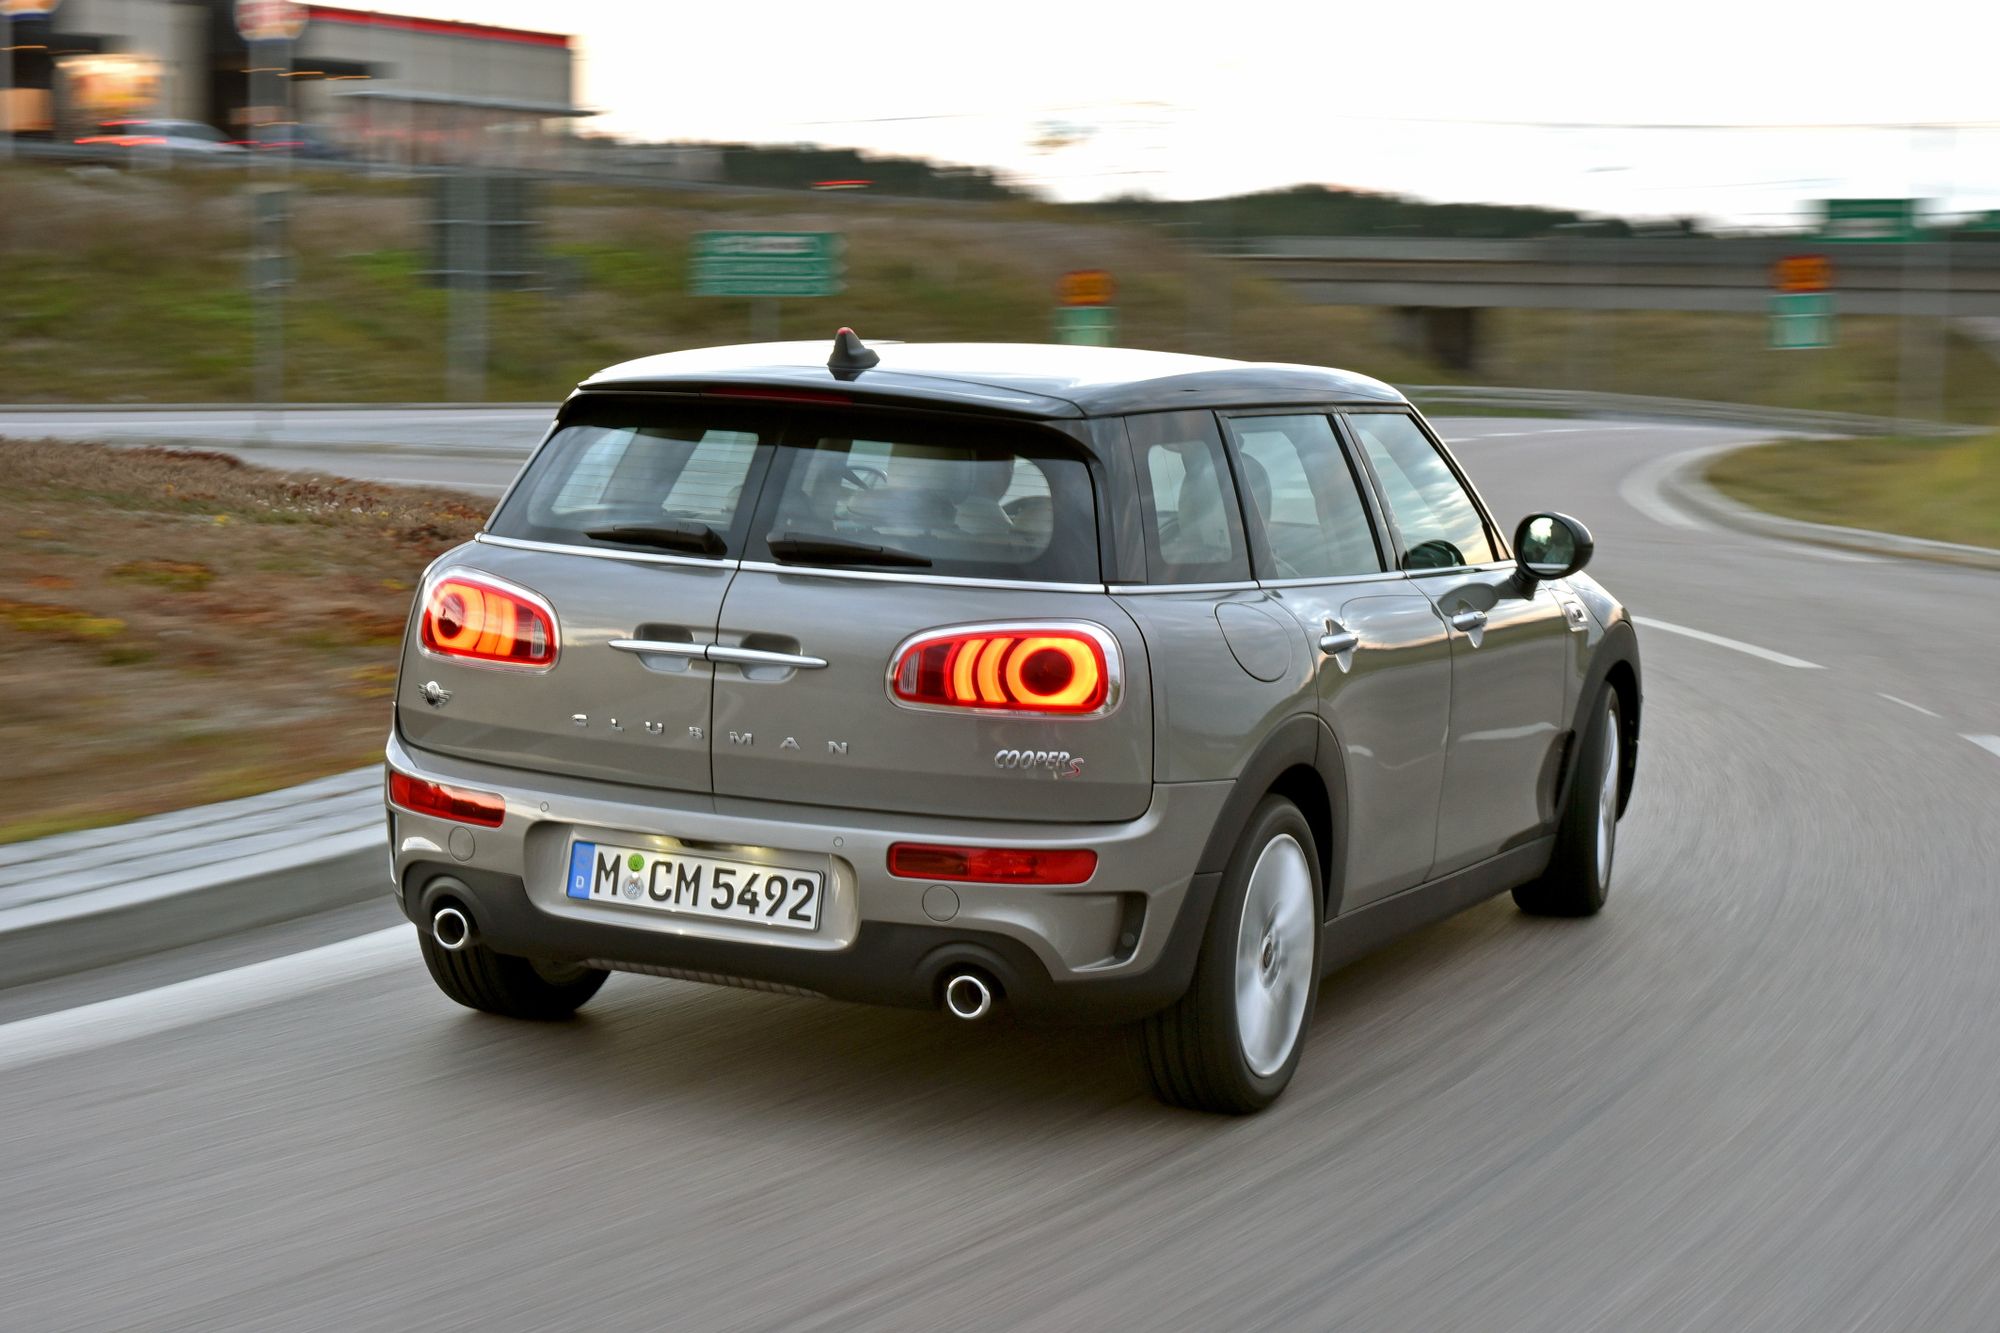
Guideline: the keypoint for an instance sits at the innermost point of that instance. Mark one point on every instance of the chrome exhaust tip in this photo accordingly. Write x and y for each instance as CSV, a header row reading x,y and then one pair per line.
x,y
967,996
451,929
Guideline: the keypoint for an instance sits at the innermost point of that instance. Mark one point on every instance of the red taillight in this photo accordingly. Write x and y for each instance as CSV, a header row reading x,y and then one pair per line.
x,y
434,798
991,865
487,621
1015,669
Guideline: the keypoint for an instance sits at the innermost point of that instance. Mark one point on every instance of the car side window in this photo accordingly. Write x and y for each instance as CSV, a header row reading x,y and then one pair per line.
x,y
1194,530
1305,497
1440,525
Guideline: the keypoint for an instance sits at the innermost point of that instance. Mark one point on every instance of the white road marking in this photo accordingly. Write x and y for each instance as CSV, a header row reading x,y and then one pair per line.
x,y
1641,489
202,999
1907,704
1737,644
1991,743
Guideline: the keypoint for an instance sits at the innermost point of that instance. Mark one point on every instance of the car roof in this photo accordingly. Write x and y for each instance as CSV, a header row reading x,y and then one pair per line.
x,y
1028,379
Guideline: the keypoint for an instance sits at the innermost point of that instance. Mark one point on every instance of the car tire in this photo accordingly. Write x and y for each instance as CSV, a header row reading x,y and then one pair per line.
x,y
1233,1041
1579,872
513,987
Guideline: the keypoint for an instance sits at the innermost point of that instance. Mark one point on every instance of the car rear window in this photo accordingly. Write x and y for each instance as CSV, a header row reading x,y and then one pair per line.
x,y
936,496
812,487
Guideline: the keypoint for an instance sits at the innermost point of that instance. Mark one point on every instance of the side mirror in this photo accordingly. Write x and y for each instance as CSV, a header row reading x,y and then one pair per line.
x,y
1551,546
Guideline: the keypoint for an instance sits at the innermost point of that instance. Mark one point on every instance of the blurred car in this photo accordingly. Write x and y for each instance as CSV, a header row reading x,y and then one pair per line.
x,y
173,136
302,141
1098,684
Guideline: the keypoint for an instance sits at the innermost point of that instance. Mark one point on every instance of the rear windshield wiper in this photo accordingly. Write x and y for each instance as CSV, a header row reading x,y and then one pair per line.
x,y
838,551
695,538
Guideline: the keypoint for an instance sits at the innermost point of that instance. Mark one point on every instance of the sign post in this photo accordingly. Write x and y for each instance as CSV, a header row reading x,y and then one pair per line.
x,y
1802,308
767,266
1900,221
268,28
1087,317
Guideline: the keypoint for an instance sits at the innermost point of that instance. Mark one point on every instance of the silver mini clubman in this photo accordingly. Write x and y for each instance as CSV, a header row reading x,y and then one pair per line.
x,y
1083,682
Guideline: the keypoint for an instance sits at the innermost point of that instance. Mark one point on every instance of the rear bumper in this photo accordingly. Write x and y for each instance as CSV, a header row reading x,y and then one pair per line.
x,y
1121,945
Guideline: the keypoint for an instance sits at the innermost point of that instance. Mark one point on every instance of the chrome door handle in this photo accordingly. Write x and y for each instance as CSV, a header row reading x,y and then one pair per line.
x,y
762,657
1469,621
1338,639
715,652
663,647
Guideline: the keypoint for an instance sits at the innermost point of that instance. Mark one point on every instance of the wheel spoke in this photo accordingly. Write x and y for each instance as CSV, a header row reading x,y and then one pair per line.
x,y
1274,955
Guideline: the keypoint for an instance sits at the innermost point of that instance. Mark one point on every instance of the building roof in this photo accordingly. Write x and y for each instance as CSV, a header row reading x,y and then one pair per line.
x,y
1025,378
489,32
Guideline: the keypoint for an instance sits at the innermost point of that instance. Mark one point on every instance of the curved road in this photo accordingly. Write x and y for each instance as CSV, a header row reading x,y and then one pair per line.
x,y
1762,1091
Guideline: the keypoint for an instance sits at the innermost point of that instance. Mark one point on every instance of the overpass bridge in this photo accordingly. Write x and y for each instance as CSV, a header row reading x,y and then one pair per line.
x,y
1441,285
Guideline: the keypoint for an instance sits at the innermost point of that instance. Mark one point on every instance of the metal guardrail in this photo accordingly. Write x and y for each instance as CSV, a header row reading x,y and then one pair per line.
x,y
1584,402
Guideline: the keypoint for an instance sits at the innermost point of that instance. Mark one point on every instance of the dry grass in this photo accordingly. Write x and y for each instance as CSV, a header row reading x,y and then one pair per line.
x,y
177,627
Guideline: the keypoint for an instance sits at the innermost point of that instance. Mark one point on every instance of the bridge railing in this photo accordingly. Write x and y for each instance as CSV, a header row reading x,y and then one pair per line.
x,y
1585,402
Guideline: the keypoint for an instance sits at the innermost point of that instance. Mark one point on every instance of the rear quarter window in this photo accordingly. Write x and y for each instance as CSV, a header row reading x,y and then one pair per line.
x,y
641,465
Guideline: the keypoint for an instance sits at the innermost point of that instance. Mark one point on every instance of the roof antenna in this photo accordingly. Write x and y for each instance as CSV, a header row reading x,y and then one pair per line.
x,y
850,357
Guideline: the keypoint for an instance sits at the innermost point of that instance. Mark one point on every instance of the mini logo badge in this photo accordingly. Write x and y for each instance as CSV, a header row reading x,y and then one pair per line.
x,y
436,695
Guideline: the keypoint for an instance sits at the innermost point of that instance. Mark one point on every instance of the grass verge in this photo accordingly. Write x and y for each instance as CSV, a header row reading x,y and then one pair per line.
x,y
177,627
1946,490
129,286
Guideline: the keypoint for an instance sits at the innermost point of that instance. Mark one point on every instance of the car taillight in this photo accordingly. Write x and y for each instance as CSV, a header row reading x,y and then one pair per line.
x,y
991,865
487,621
1011,668
434,798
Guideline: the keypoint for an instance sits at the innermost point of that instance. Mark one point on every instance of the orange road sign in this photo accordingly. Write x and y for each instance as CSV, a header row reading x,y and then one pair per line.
x,y
1087,286
1802,273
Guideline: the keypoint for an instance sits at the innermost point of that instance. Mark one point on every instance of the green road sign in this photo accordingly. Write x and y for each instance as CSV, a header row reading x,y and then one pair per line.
x,y
766,263
1869,220
1087,325
1801,320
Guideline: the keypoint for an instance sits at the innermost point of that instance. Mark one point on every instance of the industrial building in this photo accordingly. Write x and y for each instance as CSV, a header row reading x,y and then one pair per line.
x,y
375,85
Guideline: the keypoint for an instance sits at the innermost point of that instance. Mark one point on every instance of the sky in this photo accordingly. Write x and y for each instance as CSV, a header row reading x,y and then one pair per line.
x,y
1594,106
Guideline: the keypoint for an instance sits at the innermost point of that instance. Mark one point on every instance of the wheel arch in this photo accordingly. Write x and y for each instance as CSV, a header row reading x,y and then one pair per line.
x,y
1300,761
1615,663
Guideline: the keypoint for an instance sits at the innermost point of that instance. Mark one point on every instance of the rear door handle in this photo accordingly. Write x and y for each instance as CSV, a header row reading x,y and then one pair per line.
x,y
715,652
1469,621
663,647
763,657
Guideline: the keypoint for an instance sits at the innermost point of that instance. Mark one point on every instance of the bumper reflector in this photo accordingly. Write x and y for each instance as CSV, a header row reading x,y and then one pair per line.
x,y
991,865
457,803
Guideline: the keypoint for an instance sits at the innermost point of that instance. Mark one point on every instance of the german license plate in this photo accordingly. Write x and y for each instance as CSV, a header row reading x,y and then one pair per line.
x,y
685,884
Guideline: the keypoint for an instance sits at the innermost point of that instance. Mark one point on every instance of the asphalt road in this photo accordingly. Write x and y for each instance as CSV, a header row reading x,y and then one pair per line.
x,y
1761,1091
